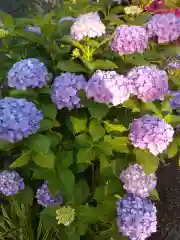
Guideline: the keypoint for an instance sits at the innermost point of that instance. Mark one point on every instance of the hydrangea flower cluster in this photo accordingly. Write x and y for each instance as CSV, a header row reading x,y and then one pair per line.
x,y
10,183
28,73
150,132
137,182
108,87
87,25
44,197
18,119
149,83
136,217
129,39
165,27
65,215
175,64
65,90
175,100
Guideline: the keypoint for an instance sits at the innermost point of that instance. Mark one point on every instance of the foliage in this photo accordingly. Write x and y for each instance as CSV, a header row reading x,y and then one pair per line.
x,y
79,152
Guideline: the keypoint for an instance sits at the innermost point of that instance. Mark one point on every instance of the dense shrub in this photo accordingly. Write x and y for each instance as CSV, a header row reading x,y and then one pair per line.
x,y
90,106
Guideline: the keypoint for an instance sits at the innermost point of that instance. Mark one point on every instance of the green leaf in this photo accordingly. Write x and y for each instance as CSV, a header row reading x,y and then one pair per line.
x,y
82,228
46,160
22,160
70,66
142,18
172,149
172,3
110,127
48,216
83,140
154,195
120,144
97,110
86,214
103,148
47,124
49,111
43,173
68,181
152,107
172,118
132,104
54,137
65,158
102,64
6,19
79,124
81,192
118,165
39,143
96,130
25,196
85,155
147,160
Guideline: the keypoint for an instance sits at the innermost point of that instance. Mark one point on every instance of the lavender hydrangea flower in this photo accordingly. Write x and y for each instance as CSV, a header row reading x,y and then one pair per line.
x,y
149,83
87,25
175,100
67,19
65,89
10,183
137,182
129,39
166,27
175,64
18,119
28,73
108,87
45,198
136,217
150,132
35,29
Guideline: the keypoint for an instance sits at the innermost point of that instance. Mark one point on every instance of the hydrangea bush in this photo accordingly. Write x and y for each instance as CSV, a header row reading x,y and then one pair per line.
x,y
89,108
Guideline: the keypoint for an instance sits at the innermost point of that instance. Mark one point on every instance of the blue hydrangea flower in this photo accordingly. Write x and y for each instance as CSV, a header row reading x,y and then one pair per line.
x,y
136,217
44,197
175,100
18,119
166,27
35,29
10,183
28,73
65,90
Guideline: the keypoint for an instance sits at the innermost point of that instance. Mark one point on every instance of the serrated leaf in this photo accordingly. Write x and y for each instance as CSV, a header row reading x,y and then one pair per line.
x,y
96,130
70,66
39,143
114,127
83,140
65,158
46,160
120,144
68,181
85,155
49,111
97,110
79,124
147,160
22,160
172,149
104,148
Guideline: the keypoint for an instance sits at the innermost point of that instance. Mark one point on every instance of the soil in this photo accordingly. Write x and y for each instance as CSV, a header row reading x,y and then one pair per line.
x,y
169,205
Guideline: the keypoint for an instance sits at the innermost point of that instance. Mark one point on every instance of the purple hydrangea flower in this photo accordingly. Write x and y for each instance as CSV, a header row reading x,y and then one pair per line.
x,y
136,217
175,100
150,132
28,73
149,83
35,29
166,27
108,87
10,183
129,39
87,25
175,64
137,182
45,198
65,89
18,119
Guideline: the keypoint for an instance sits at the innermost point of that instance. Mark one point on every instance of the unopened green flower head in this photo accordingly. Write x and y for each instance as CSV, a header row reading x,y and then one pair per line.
x,y
65,215
3,33
133,10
